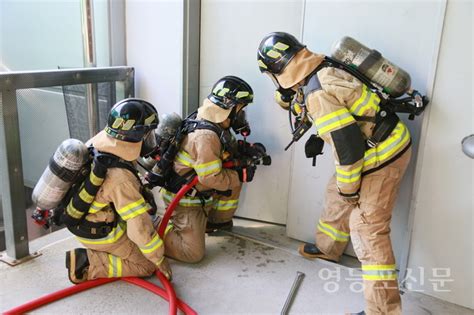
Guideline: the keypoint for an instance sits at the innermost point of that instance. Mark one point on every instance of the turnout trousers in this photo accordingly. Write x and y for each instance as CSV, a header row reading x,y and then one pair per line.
x,y
367,224
185,241
114,257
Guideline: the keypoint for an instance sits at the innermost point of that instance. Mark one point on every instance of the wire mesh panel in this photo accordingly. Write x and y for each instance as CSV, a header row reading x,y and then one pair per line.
x,y
38,110
76,107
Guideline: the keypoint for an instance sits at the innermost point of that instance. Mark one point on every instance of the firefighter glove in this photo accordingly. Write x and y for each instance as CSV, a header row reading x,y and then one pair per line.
x,y
246,173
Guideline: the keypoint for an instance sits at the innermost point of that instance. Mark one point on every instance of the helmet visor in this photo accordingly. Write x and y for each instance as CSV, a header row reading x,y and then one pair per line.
x,y
149,144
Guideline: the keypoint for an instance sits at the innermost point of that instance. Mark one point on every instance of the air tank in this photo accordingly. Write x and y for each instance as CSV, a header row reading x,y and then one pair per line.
x,y
393,79
63,168
169,125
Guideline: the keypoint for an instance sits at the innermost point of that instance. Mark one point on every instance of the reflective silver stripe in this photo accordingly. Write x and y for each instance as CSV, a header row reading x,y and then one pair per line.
x,y
141,208
380,272
332,233
368,95
396,141
333,120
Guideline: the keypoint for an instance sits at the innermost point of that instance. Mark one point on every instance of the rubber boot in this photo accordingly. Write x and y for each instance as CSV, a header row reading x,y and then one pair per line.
x,y
312,251
213,227
77,264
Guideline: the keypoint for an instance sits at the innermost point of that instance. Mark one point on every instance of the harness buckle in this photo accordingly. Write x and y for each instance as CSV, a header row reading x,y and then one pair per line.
x,y
371,143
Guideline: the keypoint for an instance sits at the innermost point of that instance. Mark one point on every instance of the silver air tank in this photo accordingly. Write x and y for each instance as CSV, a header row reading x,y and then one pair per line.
x,y
394,80
169,124
59,175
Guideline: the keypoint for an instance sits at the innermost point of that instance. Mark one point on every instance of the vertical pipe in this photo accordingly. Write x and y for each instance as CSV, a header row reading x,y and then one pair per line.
x,y
11,182
88,39
191,49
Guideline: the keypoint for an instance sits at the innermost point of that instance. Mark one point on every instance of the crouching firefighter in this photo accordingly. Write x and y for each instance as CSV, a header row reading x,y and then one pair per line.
x,y
371,149
108,208
201,152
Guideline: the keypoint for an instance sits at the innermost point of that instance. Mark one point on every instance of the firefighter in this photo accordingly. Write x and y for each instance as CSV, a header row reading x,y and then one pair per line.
x,y
362,193
132,247
216,196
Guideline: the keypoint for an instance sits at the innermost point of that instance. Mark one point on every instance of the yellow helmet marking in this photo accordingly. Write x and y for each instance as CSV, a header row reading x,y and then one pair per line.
x,y
117,123
281,46
128,124
261,64
241,94
273,54
150,119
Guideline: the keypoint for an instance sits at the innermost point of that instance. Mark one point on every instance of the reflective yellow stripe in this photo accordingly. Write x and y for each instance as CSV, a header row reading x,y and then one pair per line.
x,y
97,206
160,261
151,246
224,205
184,158
85,196
73,212
385,150
333,121
95,180
133,209
379,272
379,277
333,229
115,266
333,233
185,202
168,228
367,100
379,267
113,236
208,168
348,176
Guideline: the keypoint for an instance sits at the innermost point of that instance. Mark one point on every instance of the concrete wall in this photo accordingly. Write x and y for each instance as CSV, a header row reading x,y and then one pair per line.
x,y
442,240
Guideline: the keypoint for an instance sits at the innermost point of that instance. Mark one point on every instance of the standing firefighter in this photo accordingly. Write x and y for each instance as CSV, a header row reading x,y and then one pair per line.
x,y
202,152
116,229
361,195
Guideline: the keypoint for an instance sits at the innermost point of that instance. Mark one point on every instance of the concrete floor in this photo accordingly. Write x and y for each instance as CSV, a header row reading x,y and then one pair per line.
x,y
249,271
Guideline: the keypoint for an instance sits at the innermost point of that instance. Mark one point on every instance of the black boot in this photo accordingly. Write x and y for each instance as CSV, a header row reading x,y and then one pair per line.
x,y
77,264
312,251
213,227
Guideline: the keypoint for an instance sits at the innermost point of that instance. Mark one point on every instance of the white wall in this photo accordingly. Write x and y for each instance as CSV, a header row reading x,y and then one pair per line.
x,y
443,205
230,34
154,48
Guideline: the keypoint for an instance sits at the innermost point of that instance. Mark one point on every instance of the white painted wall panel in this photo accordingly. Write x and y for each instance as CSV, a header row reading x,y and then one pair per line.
x,y
405,33
443,219
154,48
230,34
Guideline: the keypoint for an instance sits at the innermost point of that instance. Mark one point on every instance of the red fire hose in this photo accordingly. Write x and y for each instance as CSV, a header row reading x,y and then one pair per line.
x,y
168,293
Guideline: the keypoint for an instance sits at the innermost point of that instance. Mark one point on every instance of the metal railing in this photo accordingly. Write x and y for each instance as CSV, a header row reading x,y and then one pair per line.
x,y
12,181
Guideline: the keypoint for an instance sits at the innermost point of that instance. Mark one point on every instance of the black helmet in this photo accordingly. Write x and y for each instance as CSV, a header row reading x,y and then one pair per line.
x,y
276,50
130,120
230,91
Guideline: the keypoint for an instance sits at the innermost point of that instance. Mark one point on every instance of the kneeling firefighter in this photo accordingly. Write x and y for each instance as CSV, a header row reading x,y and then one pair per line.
x,y
201,153
371,149
108,209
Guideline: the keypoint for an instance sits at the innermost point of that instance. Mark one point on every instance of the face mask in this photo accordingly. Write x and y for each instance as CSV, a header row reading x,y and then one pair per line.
x,y
286,94
240,124
149,145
